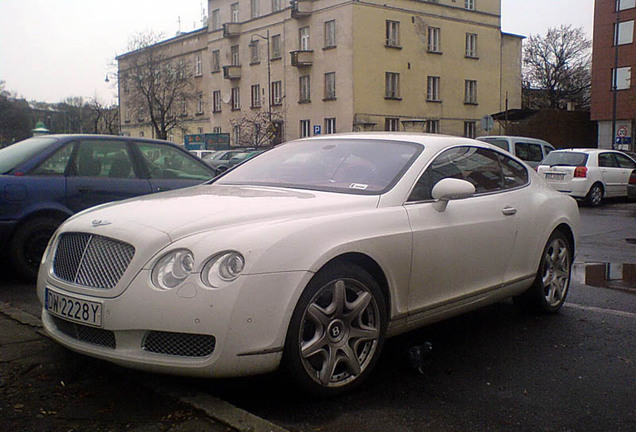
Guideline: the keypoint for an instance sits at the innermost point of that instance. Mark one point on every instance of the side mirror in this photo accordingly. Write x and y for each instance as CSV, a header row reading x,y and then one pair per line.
x,y
450,189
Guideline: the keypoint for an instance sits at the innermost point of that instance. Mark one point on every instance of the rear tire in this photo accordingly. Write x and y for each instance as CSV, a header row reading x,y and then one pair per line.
x,y
336,332
28,244
595,196
550,287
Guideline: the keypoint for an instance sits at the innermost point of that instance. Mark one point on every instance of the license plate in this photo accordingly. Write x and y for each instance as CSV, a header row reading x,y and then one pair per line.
x,y
74,309
554,176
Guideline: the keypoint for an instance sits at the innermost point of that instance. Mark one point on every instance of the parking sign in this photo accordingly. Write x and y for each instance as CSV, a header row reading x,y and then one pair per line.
x,y
317,129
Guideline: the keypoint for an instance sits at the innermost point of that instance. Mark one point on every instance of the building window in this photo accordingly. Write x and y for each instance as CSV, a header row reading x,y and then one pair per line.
x,y
392,124
434,39
330,125
216,101
305,128
471,45
217,130
216,61
256,96
234,51
199,103
198,67
254,52
392,33
216,19
303,39
305,89
330,85
200,130
236,135
432,89
330,34
470,92
184,107
470,4
392,85
236,98
234,7
277,93
254,8
141,134
622,78
624,33
276,47
432,126
625,4
277,5
470,127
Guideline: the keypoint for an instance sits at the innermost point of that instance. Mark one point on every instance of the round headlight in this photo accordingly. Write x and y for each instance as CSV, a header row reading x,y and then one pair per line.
x,y
222,269
172,269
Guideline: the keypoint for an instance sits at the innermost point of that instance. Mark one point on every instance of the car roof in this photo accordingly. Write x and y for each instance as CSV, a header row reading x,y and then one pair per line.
x,y
586,150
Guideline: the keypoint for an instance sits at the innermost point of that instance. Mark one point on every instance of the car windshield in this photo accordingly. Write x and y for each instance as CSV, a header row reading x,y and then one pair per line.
x,y
565,159
337,165
19,153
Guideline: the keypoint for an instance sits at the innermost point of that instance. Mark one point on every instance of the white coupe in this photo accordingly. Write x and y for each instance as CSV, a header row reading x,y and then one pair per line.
x,y
307,257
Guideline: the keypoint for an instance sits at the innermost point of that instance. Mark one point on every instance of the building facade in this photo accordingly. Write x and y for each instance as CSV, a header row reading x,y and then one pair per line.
x,y
326,66
613,60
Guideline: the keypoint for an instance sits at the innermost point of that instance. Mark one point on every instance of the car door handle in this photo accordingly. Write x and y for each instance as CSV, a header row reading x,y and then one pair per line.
x,y
509,211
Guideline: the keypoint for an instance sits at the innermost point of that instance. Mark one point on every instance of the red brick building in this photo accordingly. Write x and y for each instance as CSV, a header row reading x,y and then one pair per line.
x,y
613,63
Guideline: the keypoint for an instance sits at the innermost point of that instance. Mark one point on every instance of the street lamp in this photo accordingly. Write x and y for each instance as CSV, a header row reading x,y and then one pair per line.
x,y
269,75
116,78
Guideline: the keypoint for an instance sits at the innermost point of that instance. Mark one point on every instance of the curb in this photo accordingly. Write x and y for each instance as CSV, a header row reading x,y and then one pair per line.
x,y
215,408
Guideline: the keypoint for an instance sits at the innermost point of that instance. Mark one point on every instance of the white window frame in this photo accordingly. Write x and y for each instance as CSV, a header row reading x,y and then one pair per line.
x,y
392,124
432,126
234,54
303,39
392,33
276,47
198,65
305,128
216,101
330,86
200,103
277,93
216,61
330,125
216,19
471,45
470,92
256,96
235,16
236,98
434,39
625,4
277,5
255,52
236,134
469,4
433,89
217,130
470,129
304,89
392,85
255,9
330,34
624,33
622,78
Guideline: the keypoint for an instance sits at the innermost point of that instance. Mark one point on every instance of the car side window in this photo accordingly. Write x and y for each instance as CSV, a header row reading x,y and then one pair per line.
x,y
166,162
104,158
528,152
55,164
478,166
607,160
625,162
514,173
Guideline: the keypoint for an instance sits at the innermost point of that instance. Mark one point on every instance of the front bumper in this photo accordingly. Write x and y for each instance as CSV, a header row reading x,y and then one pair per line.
x,y
247,322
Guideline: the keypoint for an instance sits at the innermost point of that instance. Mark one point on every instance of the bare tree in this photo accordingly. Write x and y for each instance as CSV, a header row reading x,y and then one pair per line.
x,y
104,119
158,88
258,129
556,67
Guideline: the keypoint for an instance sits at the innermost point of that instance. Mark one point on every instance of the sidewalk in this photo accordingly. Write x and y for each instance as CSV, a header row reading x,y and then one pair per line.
x,y
45,387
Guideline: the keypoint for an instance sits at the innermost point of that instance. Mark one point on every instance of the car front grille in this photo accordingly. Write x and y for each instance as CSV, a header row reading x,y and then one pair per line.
x,y
179,344
82,333
91,260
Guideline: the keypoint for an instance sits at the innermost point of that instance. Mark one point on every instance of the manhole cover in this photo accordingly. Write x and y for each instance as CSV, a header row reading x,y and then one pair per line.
x,y
631,240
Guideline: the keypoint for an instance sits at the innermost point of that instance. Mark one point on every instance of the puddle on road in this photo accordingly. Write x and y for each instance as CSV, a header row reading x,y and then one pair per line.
x,y
605,275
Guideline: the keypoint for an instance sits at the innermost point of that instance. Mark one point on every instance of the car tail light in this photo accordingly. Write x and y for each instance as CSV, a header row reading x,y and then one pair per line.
x,y
580,172
632,178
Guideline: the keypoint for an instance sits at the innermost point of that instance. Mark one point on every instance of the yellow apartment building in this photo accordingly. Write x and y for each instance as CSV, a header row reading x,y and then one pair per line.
x,y
326,66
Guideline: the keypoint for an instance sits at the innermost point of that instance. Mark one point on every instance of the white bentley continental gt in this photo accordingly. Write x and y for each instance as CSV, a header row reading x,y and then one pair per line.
x,y
307,257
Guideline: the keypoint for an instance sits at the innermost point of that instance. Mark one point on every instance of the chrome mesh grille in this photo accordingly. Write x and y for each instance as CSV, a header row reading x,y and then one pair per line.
x,y
82,333
179,344
91,260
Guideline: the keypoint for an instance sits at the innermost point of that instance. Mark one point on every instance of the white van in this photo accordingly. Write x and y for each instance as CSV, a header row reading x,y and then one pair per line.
x,y
530,150
201,153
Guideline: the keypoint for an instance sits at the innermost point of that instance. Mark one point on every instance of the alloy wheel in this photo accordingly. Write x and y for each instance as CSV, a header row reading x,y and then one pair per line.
x,y
556,272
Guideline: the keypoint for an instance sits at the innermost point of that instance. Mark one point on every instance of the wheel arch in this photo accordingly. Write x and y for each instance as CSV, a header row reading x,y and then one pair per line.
x,y
566,230
50,213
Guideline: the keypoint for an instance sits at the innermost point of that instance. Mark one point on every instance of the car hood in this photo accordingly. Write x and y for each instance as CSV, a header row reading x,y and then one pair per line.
x,y
206,207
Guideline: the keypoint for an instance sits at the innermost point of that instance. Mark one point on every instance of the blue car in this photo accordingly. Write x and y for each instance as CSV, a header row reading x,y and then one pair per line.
x,y
44,180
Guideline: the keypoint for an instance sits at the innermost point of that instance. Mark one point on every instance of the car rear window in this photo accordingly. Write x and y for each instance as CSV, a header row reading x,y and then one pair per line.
x,y
502,144
19,153
565,159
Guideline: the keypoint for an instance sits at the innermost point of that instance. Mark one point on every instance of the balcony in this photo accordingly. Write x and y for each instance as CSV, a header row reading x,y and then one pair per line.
x,y
301,8
231,30
232,72
302,58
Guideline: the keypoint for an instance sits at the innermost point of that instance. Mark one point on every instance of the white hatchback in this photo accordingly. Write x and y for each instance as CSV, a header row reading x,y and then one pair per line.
x,y
588,174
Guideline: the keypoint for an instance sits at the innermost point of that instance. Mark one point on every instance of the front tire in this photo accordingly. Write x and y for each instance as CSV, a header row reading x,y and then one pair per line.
x,y
28,244
595,195
550,288
336,332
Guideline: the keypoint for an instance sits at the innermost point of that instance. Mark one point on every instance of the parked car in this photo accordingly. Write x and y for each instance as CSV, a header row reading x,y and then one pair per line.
x,y
588,174
242,157
202,153
323,248
219,161
530,150
46,179
631,186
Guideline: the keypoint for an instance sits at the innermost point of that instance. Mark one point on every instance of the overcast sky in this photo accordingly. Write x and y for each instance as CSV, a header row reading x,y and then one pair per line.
x,y
54,49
